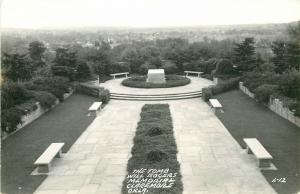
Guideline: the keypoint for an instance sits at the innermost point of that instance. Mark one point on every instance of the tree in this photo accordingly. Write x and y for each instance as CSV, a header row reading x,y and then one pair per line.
x,y
244,55
65,57
224,67
83,71
36,50
64,63
132,56
101,61
287,56
16,67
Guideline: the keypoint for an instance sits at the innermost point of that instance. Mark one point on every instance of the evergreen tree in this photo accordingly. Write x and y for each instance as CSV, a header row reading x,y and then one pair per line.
x,y
244,55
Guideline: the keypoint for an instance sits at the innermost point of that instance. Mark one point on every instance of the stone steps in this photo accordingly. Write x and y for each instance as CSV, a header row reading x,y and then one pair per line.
x,y
155,97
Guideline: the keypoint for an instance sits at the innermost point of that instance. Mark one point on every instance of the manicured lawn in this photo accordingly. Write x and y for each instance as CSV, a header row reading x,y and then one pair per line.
x,y
171,81
64,123
155,148
244,117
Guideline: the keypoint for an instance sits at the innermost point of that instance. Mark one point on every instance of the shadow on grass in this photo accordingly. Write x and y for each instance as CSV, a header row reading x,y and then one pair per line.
x,y
244,118
64,123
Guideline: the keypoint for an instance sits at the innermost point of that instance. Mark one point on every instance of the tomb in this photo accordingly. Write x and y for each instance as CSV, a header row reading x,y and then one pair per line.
x,y
156,76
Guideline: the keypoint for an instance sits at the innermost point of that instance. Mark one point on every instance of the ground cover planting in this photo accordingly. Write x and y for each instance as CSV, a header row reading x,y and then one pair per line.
x,y
153,167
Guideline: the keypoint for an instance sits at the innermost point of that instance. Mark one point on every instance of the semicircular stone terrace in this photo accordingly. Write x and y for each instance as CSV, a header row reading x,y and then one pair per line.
x,y
192,90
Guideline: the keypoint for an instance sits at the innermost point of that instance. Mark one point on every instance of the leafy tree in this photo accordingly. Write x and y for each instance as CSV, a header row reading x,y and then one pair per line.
x,y
289,84
155,61
65,57
64,63
287,55
101,61
83,71
16,67
224,67
36,50
244,54
134,59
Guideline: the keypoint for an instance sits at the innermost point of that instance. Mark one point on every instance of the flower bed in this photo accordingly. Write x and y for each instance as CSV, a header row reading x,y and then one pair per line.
x,y
171,81
153,167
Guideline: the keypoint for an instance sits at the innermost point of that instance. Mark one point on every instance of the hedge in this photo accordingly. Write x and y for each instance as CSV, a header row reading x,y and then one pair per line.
x,y
263,92
95,91
171,81
46,99
10,119
225,86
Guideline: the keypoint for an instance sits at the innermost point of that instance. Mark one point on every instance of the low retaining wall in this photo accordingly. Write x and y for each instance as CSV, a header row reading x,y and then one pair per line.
x,y
27,119
245,90
276,106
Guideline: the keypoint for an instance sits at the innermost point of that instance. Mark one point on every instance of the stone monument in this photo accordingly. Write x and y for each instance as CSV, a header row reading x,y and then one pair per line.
x,y
156,76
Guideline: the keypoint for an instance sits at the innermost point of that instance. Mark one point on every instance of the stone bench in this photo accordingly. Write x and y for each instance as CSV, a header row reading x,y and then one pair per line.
x,y
117,74
215,104
192,72
95,107
44,161
255,147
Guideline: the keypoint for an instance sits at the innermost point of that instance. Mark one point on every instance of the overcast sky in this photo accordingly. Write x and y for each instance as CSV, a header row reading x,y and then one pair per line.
x,y
145,13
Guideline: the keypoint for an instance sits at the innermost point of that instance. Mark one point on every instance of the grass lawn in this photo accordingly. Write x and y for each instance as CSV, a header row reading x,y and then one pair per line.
x,y
171,81
64,123
244,117
155,148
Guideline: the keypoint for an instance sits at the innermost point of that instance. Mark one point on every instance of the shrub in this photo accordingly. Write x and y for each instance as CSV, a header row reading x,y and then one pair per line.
x,y
145,67
289,84
263,92
83,71
171,81
206,94
208,66
58,86
46,99
119,67
224,67
13,94
10,119
156,155
104,95
88,89
170,68
154,131
225,86
64,71
254,79
27,107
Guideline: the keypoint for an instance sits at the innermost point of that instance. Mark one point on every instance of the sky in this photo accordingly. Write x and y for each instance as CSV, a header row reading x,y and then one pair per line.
x,y
145,13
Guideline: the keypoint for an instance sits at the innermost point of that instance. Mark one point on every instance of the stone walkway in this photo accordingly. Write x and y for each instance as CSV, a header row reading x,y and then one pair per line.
x,y
196,84
211,160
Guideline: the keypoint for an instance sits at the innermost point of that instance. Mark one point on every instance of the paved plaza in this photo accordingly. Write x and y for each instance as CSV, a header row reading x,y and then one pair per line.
x,y
211,160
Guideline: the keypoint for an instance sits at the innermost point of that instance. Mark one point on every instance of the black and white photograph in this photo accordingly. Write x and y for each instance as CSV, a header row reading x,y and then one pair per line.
x,y
150,96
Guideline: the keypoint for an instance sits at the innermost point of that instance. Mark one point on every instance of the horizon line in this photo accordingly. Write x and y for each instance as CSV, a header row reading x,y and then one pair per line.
x,y
141,27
